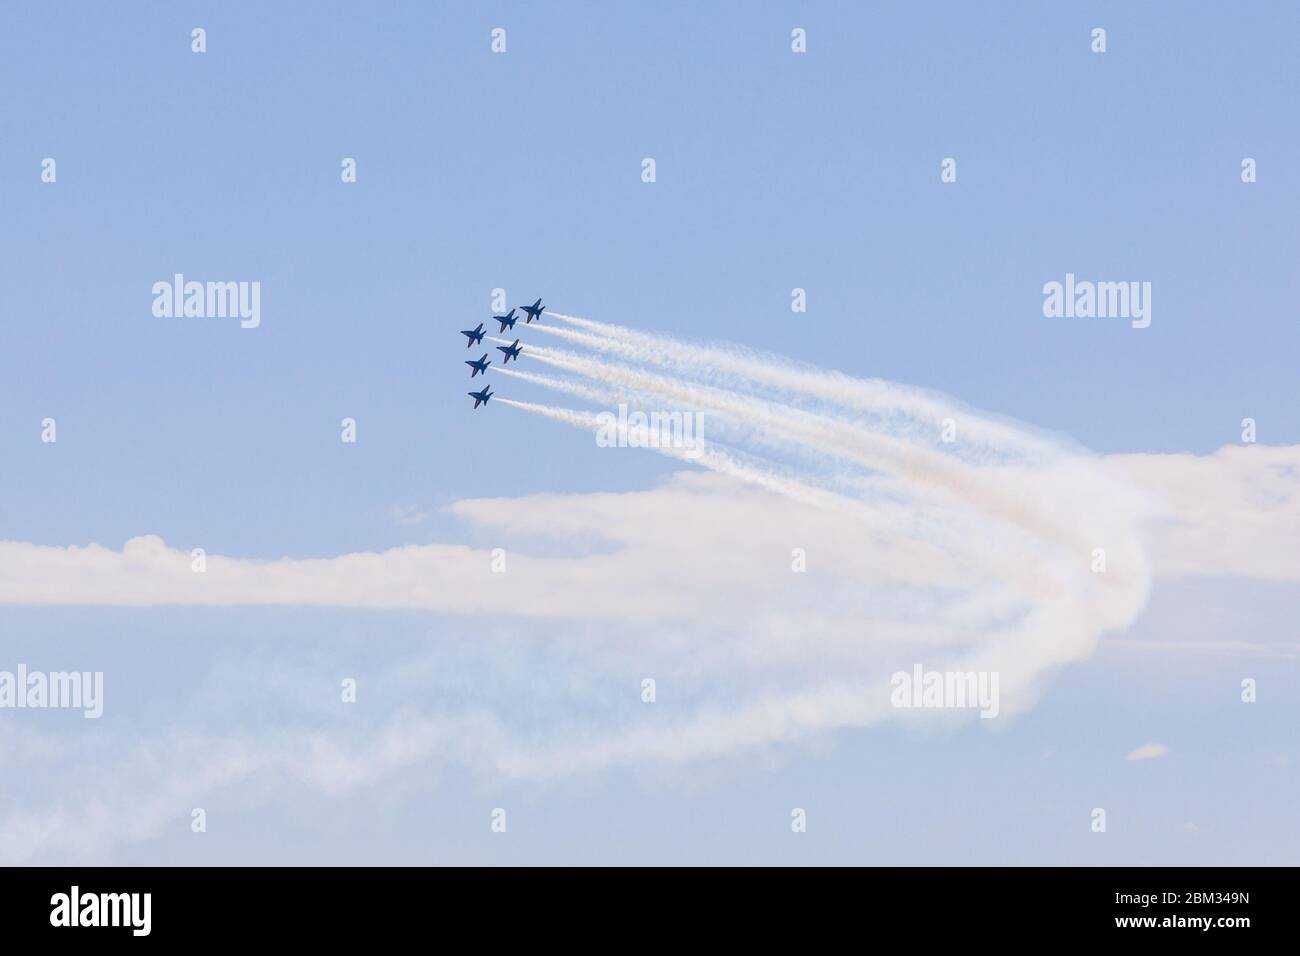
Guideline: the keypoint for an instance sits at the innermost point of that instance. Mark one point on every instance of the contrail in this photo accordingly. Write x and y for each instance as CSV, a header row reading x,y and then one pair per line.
x,y
997,492
919,552
568,386
1038,485
569,416
713,458
873,396
991,491
885,518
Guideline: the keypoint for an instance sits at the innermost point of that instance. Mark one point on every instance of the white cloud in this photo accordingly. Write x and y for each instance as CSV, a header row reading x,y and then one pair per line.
x,y
408,516
692,580
1236,512
1147,752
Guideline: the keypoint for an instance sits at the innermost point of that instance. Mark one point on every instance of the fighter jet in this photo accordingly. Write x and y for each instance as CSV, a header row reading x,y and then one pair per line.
x,y
512,352
475,336
508,320
534,311
480,398
479,366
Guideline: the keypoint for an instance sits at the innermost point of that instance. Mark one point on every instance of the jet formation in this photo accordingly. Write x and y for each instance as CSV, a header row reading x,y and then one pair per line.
x,y
512,351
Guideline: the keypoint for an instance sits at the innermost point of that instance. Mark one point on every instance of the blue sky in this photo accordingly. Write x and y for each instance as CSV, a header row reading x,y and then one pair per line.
x,y
522,171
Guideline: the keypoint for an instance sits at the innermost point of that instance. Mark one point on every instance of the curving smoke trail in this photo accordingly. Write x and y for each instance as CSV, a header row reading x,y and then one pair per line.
x,y
975,554
751,470
1000,500
889,458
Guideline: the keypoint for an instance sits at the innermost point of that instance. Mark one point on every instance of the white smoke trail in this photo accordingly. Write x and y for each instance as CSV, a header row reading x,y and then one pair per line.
x,y
979,559
715,459
1027,574
997,492
733,366
1058,620
569,387
1042,504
